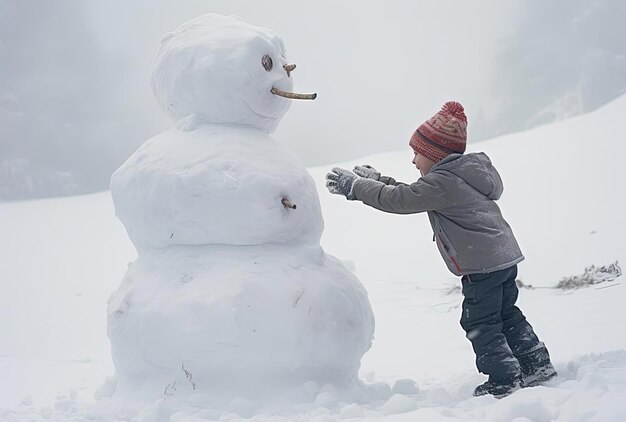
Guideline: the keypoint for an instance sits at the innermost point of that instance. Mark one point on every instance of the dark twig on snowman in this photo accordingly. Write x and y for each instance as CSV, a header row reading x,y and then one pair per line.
x,y
288,204
292,95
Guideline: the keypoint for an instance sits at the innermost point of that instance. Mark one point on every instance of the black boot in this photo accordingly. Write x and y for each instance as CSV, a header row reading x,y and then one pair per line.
x,y
498,388
536,367
539,375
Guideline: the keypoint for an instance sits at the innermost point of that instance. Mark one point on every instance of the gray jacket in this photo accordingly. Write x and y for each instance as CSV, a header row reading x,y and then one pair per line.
x,y
459,195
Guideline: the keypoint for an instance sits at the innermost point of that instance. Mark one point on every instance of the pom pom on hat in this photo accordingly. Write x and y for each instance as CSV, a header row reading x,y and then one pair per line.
x,y
443,134
455,110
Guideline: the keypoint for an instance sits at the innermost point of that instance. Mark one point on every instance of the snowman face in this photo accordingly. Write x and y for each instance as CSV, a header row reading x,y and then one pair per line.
x,y
218,69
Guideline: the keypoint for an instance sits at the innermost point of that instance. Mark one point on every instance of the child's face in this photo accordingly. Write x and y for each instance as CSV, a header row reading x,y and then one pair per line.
x,y
422,163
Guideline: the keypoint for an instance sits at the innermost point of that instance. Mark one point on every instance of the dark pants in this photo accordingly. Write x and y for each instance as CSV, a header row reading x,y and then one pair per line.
x,y
504,342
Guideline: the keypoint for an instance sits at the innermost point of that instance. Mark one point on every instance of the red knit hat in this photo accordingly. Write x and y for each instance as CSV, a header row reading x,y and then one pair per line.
x,y
443,134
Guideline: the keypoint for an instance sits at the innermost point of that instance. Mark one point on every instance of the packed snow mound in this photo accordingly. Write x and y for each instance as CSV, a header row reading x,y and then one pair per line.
x,y
236,315
215,185
213,70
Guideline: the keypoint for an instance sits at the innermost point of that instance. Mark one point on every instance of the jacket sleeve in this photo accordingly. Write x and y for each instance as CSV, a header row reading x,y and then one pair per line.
x,y
429,193
388,180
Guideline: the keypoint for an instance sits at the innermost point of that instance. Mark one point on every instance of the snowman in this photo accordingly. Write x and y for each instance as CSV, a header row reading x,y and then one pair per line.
x,y
231,289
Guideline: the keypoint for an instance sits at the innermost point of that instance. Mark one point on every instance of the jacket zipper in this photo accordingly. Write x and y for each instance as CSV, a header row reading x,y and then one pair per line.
x,y
445,246
456,264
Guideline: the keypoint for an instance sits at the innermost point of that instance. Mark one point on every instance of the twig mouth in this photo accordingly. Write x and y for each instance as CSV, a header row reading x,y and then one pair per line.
x,y
292,95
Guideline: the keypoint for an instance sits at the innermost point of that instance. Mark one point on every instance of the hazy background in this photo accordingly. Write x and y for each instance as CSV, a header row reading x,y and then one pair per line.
x,y
75,97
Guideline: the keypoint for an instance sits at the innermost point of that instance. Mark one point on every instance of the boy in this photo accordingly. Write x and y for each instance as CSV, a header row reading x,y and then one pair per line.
x,y
459,192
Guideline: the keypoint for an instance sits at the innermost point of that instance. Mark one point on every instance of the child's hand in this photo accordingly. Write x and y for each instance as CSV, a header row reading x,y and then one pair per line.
x,y
340,182
367,171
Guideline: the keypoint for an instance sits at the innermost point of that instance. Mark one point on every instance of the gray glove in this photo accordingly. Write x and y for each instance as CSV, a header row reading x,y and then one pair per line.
x,y
367,171
340,182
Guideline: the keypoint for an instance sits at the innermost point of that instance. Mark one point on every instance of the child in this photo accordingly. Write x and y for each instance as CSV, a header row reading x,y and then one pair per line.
x,y
459,192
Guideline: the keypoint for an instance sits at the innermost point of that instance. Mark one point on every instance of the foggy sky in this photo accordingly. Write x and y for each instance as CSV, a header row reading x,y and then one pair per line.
x,y
75,97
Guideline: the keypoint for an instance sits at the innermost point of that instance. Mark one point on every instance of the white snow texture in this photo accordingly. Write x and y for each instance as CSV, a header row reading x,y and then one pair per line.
x,y
215,185
231,286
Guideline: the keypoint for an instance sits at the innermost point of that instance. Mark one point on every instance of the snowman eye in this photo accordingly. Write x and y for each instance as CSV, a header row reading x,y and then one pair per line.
x,y
267,62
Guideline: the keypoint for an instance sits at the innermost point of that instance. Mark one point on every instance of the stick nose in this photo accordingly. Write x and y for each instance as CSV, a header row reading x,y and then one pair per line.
x,y
292,95
289,68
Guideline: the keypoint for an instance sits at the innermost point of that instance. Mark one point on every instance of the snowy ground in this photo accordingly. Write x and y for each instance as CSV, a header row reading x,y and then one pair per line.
x,y
564,196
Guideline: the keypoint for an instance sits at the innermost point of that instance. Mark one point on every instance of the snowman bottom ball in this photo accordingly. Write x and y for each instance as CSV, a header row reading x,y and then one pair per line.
x,y
238,315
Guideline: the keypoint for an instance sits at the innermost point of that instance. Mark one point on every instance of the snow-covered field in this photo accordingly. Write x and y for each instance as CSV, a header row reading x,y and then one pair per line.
x,y
60,259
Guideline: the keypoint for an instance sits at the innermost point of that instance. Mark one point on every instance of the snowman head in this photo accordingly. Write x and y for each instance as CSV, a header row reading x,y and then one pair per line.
x,y
219,69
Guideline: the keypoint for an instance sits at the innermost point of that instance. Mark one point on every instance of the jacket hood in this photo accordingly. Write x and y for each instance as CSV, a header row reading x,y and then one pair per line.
x,y
476,170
